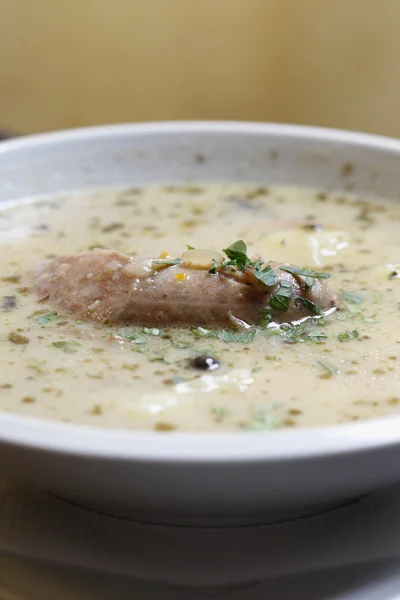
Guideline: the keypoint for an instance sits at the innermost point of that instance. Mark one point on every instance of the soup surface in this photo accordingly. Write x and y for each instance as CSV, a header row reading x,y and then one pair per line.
x,y
324,370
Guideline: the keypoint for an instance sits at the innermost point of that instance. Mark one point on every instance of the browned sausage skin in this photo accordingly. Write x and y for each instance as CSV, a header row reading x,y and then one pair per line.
x,y
111,288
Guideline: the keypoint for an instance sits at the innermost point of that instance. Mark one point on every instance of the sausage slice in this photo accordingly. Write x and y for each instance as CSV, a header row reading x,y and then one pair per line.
x,y
115,288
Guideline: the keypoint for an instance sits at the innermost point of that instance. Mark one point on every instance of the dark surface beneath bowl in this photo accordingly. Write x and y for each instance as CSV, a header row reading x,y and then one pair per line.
x,y
5,133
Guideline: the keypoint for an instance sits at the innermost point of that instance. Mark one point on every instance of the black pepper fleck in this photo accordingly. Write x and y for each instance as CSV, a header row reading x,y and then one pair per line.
x,y
312,227
204,363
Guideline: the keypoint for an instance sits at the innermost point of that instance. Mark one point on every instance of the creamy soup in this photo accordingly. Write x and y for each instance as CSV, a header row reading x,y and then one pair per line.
x,y
329,367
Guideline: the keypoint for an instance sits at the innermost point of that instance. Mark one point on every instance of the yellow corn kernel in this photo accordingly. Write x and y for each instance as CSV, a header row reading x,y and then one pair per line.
x,y
180,277
165,254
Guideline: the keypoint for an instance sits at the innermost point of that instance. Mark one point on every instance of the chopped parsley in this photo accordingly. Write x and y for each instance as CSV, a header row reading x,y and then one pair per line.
x,y
67,347
139,336
237,254
140,349
307,275
369,319
293,333
180,344
264,419
377,297
202,332
51,316
225,335
238,259
329,369
316,336
265,317
267,276
219,412
282,297
231,336
351,297
168,262
314,308
348,336
152,331
349,313
214,267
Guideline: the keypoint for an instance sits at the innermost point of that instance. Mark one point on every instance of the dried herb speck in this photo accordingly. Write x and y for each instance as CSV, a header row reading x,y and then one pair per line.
x,y
17,338
9,302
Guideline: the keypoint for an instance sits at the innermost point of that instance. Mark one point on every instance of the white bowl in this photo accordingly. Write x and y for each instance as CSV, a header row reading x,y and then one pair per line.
x,y
200,477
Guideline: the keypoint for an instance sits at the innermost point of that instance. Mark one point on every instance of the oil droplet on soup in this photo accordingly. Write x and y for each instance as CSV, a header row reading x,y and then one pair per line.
x,y
344,367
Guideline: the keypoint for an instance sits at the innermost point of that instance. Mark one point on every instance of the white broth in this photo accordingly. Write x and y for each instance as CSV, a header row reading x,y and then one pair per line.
x,y
343,367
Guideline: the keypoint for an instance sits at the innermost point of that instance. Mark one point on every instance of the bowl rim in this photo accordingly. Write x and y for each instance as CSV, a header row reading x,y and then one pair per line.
x,y
282,130
121,444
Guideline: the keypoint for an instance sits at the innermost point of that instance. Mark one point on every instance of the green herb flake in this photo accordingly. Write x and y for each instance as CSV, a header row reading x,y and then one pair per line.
x,y
232,336
140,349
213,269
307,275
264,419
152,331
348,336
314,308
189,247
135,337
349,313
180,344
202,332
317,336
282,297
328,368
267,276
237,254
219,412
292,333
272,331
369,319
351,297
377,297
67,347
52,316
225,335
265,317
168,262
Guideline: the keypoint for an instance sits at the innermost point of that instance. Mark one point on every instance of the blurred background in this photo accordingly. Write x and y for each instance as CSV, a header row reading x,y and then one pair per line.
x,y
69,63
